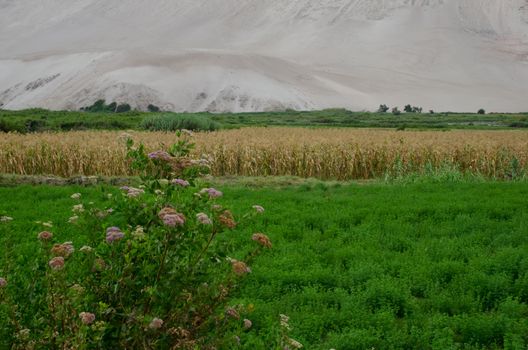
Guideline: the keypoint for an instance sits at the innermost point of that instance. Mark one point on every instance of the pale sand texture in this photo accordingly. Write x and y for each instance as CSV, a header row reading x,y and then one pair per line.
x,y
254,55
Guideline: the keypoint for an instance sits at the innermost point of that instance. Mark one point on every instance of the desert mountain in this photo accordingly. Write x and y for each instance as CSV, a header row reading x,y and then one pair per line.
x,y
254,55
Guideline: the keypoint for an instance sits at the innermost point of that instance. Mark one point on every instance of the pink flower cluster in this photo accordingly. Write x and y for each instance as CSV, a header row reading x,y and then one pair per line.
x,y
87,318
233,313
156,323
211,192
161,155
180,182
64,250
247,324
171,217
204,219
173,220
132,192
114,234
262,239
45,236
240,268
57,263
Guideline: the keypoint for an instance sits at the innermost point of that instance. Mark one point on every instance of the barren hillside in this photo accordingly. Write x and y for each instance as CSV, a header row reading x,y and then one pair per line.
x,y
252,55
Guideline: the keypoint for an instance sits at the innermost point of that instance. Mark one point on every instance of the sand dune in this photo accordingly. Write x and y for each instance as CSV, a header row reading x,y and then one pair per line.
x,y
254,55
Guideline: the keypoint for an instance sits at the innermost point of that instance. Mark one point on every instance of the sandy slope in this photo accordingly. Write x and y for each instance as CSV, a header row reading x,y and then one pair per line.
x,y
247,55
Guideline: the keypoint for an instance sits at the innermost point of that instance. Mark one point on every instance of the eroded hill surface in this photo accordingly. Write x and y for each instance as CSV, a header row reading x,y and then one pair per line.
x,y
254,55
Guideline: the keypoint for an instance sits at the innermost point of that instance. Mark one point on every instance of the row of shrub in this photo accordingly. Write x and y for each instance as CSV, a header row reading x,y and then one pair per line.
x,y
173,122
38,121
103,116
383,108
100,106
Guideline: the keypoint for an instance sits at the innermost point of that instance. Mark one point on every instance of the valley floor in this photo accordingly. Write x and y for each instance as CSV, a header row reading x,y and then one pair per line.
x,y
385,266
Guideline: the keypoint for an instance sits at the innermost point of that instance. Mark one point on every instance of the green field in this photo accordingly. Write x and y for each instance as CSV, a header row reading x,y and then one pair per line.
x,y
373,266
42,120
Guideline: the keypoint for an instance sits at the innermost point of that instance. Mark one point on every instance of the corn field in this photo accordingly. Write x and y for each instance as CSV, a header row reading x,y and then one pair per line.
x,y
341,154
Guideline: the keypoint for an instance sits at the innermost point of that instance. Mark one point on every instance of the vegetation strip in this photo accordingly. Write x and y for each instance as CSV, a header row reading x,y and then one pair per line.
x,y
38,120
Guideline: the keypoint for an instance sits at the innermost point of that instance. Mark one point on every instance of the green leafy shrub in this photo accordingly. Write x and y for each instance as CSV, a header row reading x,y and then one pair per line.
x,y
173,122
100,106
519,124
152,273
112,107
89,125
123,108
34,125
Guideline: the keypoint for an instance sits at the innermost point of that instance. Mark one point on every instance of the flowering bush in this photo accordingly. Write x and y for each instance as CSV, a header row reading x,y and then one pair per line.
x,y
152,274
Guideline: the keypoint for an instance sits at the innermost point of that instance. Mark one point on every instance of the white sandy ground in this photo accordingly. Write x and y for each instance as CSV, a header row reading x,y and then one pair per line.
x,y
257,55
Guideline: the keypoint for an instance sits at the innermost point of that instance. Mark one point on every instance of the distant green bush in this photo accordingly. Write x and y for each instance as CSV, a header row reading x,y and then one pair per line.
x,y
481,111
396,111
8,126
112,107
519,125
417,109
100,106
123,108
35,125
93,125
173,122
383,108
153,108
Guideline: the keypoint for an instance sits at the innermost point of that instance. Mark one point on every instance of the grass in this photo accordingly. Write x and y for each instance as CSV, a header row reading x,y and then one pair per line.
x,y
175,122
37,120
32,120
345,118
387,266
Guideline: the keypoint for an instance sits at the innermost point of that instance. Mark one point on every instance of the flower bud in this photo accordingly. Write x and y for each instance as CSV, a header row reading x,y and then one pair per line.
x,y
45,236
156,323
87,318
57,263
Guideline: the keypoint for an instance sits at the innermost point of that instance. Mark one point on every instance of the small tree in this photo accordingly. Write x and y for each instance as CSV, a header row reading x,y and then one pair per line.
x,y
396,111
481,111
122,108
383,109
98,106
153,108
112,107
416,109
431,111
408,109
